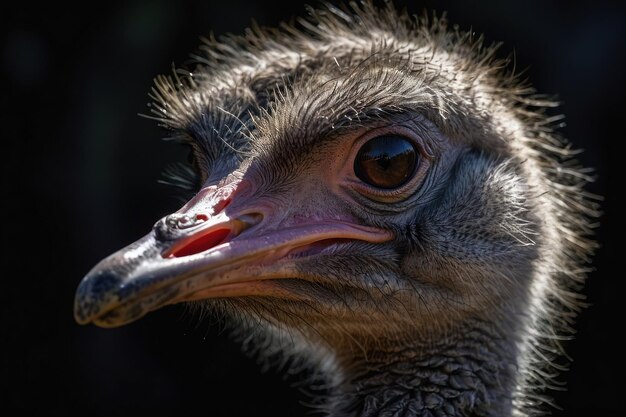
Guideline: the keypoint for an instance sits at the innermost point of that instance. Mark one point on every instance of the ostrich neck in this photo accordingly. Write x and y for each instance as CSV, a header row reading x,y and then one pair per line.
x,y
467,375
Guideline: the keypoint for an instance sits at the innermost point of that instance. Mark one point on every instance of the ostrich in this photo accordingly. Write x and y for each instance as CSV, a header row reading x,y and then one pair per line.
x,y
377,196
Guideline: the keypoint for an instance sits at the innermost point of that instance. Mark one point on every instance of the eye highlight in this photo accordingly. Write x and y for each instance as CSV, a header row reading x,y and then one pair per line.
x,y
386,161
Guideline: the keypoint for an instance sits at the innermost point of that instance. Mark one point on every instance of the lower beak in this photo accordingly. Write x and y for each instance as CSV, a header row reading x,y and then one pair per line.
x,y
222,257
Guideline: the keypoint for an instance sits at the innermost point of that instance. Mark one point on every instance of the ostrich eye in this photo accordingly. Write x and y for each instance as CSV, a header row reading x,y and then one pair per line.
x,y
386,161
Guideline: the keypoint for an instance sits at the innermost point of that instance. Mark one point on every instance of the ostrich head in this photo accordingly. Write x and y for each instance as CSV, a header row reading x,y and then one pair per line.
x,y
375,194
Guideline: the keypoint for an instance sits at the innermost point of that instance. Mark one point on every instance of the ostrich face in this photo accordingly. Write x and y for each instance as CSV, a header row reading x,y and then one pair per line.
x,y
371,179
334,215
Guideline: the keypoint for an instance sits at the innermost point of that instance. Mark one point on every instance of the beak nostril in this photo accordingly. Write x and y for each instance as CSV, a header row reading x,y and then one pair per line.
x,y
209,237
200,243
180,221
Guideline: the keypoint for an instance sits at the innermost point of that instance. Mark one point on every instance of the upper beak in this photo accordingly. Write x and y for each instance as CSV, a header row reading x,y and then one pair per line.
x,y
191,257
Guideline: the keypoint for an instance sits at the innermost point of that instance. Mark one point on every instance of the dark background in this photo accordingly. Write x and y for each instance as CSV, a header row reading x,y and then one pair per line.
x,y
79,172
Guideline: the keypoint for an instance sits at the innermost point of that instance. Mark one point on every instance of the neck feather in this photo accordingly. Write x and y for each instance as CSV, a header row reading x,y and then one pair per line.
x,y
468,374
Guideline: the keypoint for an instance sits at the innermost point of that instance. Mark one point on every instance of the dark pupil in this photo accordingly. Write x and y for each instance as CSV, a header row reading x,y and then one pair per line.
x,y
386,161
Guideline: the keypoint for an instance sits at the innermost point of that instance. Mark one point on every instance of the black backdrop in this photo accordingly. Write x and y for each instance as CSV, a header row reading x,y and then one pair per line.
x,y
79,171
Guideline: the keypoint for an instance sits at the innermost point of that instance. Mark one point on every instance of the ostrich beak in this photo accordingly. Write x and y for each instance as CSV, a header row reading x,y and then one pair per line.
x,y
192,257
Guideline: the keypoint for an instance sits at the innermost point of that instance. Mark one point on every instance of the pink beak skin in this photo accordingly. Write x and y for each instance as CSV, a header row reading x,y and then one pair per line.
x,y
207,250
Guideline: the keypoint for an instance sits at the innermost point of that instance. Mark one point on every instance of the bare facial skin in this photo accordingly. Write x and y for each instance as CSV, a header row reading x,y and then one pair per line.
x,y
376,195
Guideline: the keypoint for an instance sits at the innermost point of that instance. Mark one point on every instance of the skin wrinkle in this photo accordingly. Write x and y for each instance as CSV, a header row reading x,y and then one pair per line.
x,y
462,313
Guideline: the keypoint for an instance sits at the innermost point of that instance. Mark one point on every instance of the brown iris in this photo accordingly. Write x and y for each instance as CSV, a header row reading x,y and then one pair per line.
x,y
386,161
